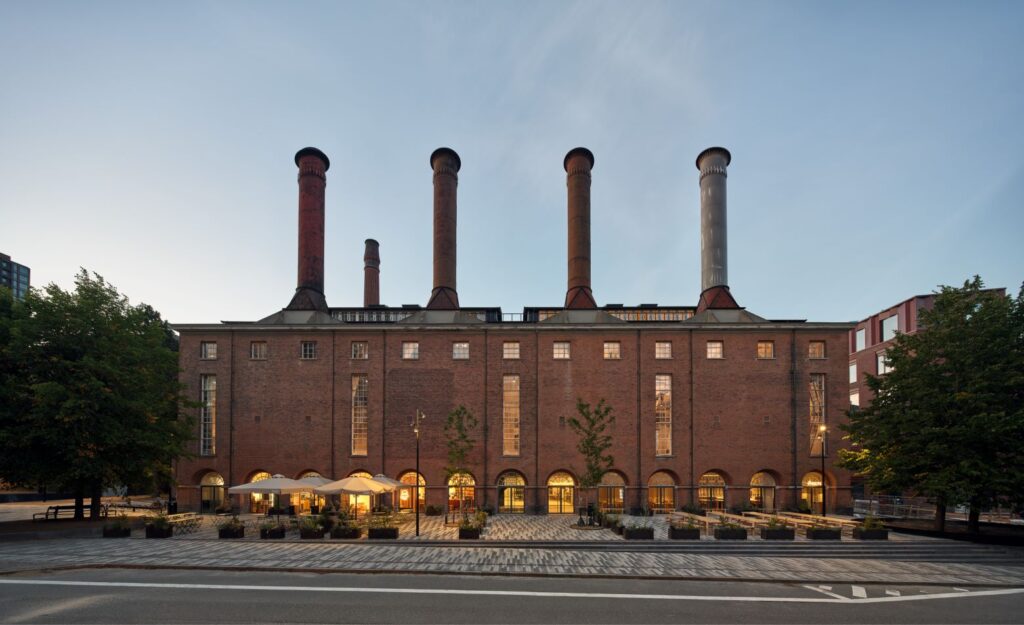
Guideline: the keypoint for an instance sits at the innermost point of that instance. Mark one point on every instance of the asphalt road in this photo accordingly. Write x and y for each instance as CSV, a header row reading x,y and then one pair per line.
x,y
177,596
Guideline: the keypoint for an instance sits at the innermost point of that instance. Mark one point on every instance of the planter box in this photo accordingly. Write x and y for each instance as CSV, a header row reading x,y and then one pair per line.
x,y
684,533
347,533
863,534
778,533
231,532
277,532
383,533
729,533
158,532
618,529
117,532
824,534
469,533
311,534
639,533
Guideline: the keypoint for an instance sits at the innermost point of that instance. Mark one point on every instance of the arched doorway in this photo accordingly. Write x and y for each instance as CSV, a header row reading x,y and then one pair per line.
x,y
810,492
611,493
461,492
561,493
405,496
661,492
762,491
711,491
309,502
511,492
258,502
358,504
211,492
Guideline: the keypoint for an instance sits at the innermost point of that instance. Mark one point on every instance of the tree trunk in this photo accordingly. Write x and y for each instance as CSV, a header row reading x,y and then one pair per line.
x,y
940,515
79,502
973,519
94,502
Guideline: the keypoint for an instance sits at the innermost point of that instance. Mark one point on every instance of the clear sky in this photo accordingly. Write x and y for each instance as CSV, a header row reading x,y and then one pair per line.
x,y
878,148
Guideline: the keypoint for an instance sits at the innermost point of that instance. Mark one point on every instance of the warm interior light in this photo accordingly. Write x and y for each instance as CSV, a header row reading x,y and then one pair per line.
x,y
405,495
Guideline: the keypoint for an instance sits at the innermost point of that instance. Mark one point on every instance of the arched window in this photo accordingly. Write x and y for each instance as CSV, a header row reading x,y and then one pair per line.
x,y
461,492
611,493
359,504
361,473
211,492
762,491
258,502
661,492
309,502
810,491
405,496
711,491
511,492
561,493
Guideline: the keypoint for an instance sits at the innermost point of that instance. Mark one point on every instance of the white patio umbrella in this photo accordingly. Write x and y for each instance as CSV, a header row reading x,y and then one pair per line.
x,y
354,486
276,485
314,480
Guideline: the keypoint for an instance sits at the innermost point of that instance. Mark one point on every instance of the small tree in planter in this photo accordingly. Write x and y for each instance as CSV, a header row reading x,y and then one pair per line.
x,y
231,528
272,530
382,526
470,528
871,529
457,430
310,529
637,532
684,529
777,530
730,531
823,532
327,520
118,528
346,530
159,526
593,444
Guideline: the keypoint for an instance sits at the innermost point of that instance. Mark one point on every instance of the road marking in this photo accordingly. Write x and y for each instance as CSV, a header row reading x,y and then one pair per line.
x,y
825,591
858,592
892,593
824,587
960,589
504,593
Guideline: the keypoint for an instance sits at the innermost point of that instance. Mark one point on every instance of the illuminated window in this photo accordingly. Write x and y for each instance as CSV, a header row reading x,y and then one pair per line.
x,y
661,492
360,413
258,350
766,349
561,350
663,415
663,350
410,350
460,351
360,350
510,415
889,327
208,350
855,399
711,491
762,491
810,491
716,349
510,350
882,363
853,373
816,390
511,492
861,339
405,495
816,349
611,492
307,350
561,493
461,492
208,415
211,492
612,350
259,503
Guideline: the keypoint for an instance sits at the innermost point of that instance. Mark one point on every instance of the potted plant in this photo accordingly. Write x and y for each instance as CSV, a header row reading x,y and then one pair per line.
x,y
310,528
777,529
871,529
730,531
684,529
272,529
432,510
117,528
382,526
637,532
159,526
469,528
327,520
346,530
231,528
609,521
823,532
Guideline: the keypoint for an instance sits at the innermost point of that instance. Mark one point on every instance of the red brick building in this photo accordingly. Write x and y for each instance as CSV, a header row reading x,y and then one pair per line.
x,y
714,405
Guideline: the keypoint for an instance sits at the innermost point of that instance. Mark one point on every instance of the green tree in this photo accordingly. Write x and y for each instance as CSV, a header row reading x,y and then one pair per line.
x,y
94,390
947,421
457,428
593,443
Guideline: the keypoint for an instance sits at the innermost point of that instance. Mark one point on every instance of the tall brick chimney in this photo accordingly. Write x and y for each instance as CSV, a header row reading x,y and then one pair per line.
x,y
371,274
578,163
714,265
446,164
309,294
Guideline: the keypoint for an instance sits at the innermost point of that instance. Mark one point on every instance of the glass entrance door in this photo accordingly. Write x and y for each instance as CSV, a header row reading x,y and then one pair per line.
x,y
560,499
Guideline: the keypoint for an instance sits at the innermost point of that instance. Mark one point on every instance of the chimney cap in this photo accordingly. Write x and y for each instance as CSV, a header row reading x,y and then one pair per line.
x,y
449,152
723,151
309,151
582,151
372,242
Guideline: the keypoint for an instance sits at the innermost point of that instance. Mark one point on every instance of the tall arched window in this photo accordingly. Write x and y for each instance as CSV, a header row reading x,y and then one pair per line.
x,y
211,492
561,493
762,491
810,491
711,491
661,492
405,496
511,492
611,493
461,492
258,502
309,502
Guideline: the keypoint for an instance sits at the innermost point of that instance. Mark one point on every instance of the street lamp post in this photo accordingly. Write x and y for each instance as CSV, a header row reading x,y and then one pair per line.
x,y
821,433
416,489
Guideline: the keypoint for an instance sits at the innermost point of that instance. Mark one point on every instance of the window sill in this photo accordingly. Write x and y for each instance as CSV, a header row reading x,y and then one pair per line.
x,y
817,358
358,455
664,456
772,358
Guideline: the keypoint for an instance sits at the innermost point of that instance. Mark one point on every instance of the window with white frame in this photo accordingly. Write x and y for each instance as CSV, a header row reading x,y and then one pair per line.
x,y
716,350
307,350
360,350
410,350
882,363
360,413
510,415
855,399
460,351
663,415
208,415
662,350
258,350
560,350
510,350
861,339
612,350
208,350
853,373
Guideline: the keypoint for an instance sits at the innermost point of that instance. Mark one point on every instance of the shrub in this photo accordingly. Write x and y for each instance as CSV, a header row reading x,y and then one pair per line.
x,y
693,509
382,521
684,524
119,522
310,523
433,510
872,523
233,524
775,523
159,521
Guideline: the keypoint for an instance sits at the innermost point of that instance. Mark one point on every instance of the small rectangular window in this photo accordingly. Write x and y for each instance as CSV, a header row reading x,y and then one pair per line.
x,y
816,349
307,350
855,399
612,350
460,351
861,339
853,373
716,350
510,350
360,350
766,349
258,350
561,350
208,350
410,350
889,327
663,350
882,363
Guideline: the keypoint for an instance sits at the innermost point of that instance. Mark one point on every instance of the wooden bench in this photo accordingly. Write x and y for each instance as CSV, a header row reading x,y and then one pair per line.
x,y
55,512
185,522
706,521
745,521
813,519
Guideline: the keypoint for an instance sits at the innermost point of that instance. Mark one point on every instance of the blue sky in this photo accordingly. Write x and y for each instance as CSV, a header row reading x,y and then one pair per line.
x,y
878,148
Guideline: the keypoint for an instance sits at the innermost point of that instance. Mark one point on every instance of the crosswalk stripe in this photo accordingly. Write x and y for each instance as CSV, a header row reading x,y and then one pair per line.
x,y
858,592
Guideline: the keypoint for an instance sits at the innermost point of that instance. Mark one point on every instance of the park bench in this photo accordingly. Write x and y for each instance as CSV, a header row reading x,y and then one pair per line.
x,y
745,521
55,512
185,522
707,521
